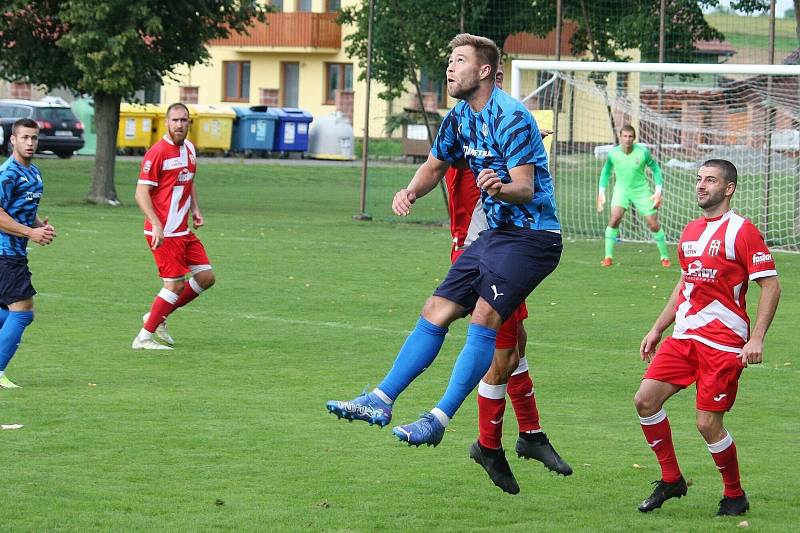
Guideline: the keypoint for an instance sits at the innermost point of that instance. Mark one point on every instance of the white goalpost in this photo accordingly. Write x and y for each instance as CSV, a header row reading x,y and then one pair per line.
x,y
685,113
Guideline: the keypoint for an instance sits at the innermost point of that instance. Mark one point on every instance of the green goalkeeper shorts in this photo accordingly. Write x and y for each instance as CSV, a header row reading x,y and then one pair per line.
x,y
640,199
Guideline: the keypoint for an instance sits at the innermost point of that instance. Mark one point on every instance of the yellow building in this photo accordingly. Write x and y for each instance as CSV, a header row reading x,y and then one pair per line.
x,y
297,59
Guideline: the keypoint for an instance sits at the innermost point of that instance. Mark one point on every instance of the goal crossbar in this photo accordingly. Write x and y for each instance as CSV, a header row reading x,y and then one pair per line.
x,y
518,65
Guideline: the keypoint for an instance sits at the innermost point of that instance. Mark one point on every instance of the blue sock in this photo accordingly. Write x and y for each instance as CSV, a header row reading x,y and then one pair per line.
x,y
11,334
472,363
418,352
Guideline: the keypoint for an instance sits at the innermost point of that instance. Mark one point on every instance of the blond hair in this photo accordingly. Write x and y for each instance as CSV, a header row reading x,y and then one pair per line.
x,y
487,51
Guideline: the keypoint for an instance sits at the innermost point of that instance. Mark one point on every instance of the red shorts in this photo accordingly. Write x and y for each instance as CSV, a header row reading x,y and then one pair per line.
x,y
177,255
686,361
507,334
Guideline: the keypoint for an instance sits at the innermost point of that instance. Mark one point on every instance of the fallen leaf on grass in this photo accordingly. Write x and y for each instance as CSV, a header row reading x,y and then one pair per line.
x,y
323,504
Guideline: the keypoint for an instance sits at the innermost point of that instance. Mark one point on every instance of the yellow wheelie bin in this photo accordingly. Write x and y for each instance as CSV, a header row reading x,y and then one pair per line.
x,y
136,123
212,127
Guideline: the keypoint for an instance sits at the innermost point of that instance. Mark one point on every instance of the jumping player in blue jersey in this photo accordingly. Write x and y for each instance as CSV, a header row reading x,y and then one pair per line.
x,y
502,145
20,192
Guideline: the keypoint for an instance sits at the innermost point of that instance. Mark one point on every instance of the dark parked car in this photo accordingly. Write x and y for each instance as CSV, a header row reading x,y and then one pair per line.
x,y
60,131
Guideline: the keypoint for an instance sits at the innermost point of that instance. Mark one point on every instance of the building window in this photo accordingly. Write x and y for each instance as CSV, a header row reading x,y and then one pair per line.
x,y
277,5
189,94
333,5
337,76
290,84
237,81
430,83
304,5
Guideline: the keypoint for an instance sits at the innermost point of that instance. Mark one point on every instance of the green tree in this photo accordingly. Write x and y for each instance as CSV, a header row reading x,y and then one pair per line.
x,y
110,49
412,35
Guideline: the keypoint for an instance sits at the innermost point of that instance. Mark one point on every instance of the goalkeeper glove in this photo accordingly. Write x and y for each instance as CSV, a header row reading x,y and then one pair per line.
x,y
601,200
656,198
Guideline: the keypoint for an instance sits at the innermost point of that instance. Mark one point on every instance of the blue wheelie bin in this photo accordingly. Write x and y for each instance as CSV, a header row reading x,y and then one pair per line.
x,y
291,133
253,130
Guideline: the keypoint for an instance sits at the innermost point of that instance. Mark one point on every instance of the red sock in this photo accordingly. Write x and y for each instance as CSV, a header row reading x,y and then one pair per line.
x,y
520,390
163,305
191,290
724,455
491,406
659,437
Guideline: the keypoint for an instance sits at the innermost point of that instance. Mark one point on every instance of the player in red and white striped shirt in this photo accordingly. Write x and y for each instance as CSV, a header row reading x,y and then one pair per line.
x,y
711,342
166,195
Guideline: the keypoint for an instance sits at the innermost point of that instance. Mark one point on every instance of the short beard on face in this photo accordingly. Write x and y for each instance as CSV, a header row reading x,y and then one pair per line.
x,y
462,92
711,201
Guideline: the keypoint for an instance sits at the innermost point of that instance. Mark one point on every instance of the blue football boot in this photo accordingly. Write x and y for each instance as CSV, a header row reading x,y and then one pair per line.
x,y
367,407
427,430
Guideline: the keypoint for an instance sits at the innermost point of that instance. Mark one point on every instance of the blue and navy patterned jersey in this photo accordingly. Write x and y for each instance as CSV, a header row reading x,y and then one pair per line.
x,y
501,136
20,191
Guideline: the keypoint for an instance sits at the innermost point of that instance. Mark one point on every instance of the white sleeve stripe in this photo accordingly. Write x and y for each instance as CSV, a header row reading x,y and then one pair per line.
x,y
763,274
147,182
735,223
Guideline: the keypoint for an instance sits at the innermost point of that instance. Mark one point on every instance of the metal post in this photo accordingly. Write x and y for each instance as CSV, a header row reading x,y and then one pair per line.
x,y
362,215
662,41
556,90
770,120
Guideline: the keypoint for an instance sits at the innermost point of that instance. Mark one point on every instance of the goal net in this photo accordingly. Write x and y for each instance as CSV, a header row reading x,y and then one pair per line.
x,y
685,114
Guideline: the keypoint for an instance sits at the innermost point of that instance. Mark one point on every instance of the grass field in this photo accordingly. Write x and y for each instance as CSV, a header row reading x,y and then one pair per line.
x,y
229,431
751,32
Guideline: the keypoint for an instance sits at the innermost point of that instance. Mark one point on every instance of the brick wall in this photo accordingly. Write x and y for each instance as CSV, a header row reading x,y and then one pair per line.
x,y
20,90
344,103
190,95
268,97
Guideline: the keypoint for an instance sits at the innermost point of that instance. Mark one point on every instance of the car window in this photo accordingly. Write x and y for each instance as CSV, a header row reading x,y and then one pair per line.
x,y
22,112
56,114
6,111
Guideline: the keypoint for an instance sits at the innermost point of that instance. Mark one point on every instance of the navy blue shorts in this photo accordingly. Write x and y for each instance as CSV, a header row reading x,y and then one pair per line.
x,y
502,267
15,279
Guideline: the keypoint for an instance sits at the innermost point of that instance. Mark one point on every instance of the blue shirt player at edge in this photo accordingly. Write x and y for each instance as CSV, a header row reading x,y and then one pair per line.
x,y
501,143
21,190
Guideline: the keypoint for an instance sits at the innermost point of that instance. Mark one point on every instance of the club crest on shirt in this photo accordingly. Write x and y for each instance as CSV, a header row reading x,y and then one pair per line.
x,y
713,248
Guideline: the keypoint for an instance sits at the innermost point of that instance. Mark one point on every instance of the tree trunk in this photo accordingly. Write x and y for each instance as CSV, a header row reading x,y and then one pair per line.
x,y
425,118
106,117
797,19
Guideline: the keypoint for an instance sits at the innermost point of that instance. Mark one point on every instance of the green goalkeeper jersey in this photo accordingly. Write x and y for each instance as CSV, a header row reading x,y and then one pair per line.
x,y
629,169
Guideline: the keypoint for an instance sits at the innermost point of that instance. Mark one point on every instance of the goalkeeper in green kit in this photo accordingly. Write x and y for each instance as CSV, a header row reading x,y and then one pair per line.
x,y
628,161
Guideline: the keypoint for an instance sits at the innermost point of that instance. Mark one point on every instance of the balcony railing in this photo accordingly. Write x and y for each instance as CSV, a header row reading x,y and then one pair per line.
x,y
304,30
